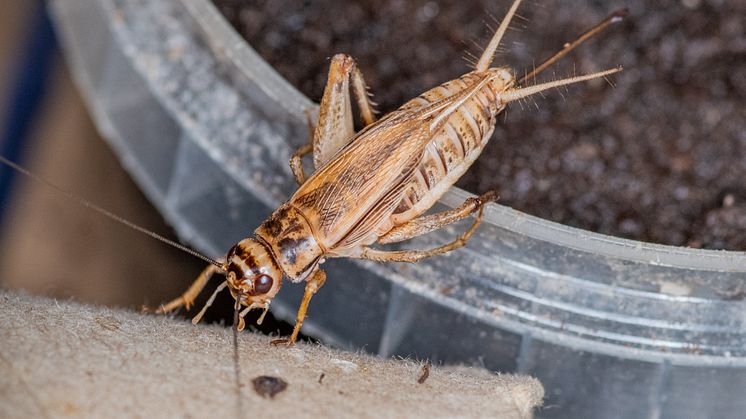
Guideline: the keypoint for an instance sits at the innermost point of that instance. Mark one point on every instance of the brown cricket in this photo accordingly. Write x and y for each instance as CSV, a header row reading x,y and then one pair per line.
x,y
373,186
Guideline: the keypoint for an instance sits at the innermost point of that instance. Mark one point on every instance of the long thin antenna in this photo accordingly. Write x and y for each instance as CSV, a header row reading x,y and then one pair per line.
x,y
236,360
489,53
106,213
614,17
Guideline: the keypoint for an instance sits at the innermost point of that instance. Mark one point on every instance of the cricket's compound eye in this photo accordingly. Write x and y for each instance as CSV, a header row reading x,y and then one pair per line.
x,y
262,285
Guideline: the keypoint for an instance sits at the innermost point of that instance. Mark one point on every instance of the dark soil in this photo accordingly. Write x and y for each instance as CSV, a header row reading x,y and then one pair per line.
x,y
661,157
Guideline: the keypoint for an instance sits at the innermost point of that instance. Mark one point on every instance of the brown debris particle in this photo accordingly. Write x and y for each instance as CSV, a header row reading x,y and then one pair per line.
x,y
268,386
425,373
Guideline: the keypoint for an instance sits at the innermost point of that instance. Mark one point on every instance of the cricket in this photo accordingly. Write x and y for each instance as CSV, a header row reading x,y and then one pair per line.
x,y
371,187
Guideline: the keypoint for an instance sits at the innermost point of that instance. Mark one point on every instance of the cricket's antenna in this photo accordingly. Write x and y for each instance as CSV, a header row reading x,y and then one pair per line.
x,y
489,53
236,360
515,94
106,213
614,17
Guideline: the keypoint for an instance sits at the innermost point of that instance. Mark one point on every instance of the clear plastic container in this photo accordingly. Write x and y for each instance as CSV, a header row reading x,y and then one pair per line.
x,y
612,327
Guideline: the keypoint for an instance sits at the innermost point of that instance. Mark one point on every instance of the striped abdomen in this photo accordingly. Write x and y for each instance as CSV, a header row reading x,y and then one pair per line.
x,y
454,148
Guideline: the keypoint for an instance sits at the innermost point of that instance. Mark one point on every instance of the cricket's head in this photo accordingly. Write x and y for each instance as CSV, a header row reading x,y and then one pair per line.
x,y
253,276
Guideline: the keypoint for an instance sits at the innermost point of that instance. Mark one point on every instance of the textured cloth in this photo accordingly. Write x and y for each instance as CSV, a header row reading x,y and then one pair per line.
x,y
63,359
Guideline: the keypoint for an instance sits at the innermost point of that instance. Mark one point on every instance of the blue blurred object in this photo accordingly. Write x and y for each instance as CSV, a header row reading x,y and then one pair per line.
x,y
26,94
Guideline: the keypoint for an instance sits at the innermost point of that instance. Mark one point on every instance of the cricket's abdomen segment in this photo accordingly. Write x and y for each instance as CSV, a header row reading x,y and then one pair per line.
x,y
454,148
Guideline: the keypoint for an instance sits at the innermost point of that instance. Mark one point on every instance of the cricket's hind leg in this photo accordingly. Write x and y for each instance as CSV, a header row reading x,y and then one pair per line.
x,y
335,128
426,224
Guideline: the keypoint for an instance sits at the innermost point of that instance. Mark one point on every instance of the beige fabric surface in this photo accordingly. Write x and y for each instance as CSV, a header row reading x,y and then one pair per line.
x,y
63,359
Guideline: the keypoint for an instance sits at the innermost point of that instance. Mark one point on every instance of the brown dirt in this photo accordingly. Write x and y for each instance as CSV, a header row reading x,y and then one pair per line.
x,y
660,158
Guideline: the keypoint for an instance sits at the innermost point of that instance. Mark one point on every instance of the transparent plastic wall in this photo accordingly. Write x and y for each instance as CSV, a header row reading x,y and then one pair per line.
x,y
612,328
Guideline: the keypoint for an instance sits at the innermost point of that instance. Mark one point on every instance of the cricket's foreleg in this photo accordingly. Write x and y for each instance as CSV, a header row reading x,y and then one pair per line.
x,y
335,125
187,298
424,225
428,223
312,286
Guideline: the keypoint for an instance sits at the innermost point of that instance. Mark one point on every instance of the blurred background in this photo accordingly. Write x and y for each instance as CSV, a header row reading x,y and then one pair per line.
x,y
51,245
